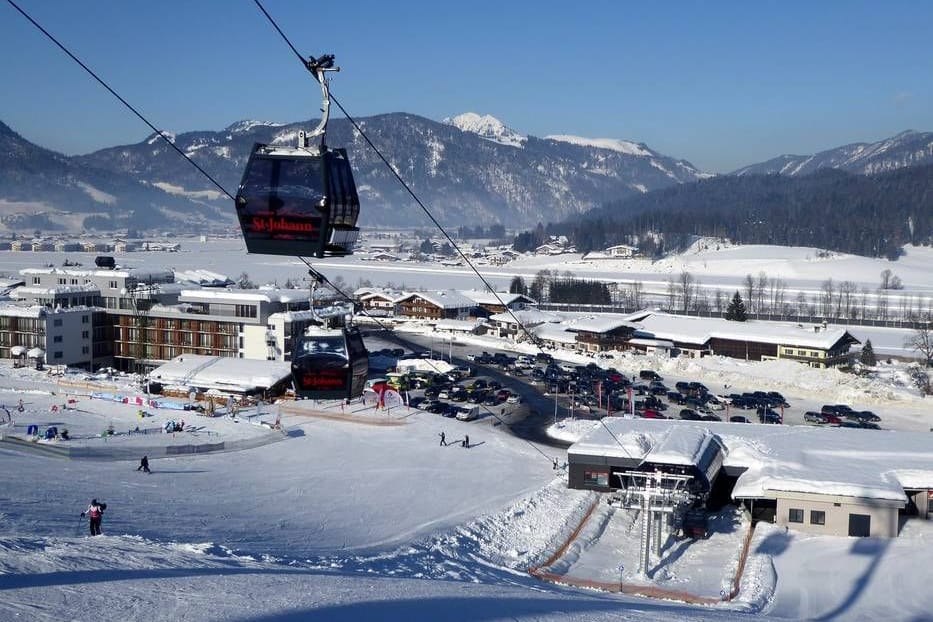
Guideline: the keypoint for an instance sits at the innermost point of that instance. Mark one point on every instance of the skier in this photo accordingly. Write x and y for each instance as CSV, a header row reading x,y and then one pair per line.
x,y
144,465
95,512
466,441
443,440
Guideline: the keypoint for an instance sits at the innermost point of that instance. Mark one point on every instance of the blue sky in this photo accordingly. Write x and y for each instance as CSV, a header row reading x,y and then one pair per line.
x,y
721,84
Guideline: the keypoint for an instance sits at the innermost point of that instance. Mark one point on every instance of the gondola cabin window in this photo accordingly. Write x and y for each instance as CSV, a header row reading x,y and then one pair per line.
x,y
324,345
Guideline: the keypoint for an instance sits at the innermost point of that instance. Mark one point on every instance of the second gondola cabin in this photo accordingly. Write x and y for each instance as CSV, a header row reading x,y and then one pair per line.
x,y
330,364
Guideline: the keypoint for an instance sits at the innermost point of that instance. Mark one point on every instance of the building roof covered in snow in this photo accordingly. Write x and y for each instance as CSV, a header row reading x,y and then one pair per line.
x,y
846,462
686,329
486,297
225,374
251,295
447,299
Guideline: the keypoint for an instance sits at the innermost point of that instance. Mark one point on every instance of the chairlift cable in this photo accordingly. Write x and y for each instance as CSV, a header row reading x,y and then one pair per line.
x,y
117,95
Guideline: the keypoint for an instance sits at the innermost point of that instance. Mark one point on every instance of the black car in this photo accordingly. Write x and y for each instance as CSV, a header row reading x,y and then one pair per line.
x,y
769,416
689,415
649,374
675,397
739,419
867,416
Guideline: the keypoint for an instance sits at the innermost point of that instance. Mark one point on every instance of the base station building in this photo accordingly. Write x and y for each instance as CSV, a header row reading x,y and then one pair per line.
x,y
830,481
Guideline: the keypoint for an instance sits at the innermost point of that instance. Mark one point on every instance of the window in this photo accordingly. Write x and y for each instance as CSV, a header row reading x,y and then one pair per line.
x,y
85,349
113,284
36,280
57,339
57,322
58,354
817,517
595,478
62,281
85,334
795,516
85,319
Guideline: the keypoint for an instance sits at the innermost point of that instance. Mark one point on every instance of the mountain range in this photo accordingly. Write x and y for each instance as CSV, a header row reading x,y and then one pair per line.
x,y
908,148
469,169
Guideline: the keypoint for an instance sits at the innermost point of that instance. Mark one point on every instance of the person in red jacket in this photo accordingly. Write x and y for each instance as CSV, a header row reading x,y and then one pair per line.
x,y
95,513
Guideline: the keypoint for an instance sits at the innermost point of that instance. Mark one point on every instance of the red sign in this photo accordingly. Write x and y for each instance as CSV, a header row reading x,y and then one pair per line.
x,y
323,380
268,223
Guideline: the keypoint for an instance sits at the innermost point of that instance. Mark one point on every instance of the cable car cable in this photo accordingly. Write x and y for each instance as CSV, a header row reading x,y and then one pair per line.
x,y
310,65
207,175
317,275
117,95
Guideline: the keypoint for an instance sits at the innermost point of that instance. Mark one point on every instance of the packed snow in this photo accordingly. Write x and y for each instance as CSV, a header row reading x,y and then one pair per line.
x,y
363,514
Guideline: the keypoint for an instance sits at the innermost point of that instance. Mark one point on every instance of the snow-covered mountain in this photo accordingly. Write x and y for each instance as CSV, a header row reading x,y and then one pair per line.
x,y
908,148
487,126
467,170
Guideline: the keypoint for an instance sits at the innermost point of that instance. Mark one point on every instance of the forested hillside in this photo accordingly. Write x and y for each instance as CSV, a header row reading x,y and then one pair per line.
x,y
864,215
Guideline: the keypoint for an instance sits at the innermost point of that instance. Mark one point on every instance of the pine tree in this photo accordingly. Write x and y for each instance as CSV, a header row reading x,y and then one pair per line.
x,y
736,310
867,357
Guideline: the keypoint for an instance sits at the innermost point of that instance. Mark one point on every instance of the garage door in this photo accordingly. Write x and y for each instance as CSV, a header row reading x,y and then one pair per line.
x,y
859,525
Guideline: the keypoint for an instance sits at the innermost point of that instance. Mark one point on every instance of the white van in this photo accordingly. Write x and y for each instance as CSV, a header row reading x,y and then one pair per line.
x,y
467,413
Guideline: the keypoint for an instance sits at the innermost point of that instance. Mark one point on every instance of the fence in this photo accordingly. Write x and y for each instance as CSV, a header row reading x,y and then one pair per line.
x,y
631,589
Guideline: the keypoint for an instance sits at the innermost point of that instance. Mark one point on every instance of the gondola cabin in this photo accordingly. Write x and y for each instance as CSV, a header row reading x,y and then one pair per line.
x,y
330,364
298,201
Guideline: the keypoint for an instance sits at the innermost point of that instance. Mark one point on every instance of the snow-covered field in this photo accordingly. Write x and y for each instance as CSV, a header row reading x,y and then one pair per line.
x,y
340,520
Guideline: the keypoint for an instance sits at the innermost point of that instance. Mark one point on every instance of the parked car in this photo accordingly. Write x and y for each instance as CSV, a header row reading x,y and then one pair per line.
x,y
675,397
867,416
769,416
467,413
869,425
710,417
739,419
515,398
650,374
650,413
689,415
814,417
831,419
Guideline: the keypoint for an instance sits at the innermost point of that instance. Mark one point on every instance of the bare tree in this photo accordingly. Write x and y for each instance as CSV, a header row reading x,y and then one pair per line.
x,y
760,287
719,301
886,278
882,305
749,284
688,289
921,341
827,289
847,290
778,288
672,293
801,303
638,289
